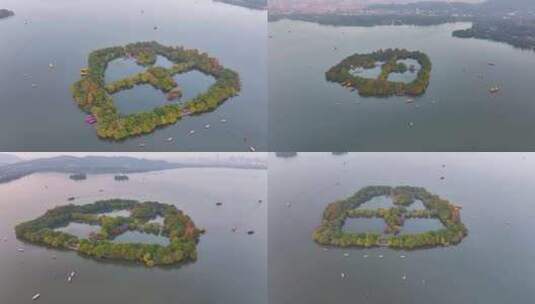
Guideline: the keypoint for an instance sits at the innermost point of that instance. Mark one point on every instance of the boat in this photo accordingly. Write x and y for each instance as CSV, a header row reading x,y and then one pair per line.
x,y
36,296
365,256
169,139
219,204
342,275
494,89
252,149
141,145
404,277
234,229
20,249
346,254
50,65
207,126
250,232
90,119
410,100
402,256
223,120
191,132
380,256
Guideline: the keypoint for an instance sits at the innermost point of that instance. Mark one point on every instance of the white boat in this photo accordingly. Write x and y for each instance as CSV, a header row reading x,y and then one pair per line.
x,y
365,256
402,256
404,277
342,275
169,139
252,149
141,145
20,249
380,256
191,132
346,254
223,120
36,296
207,126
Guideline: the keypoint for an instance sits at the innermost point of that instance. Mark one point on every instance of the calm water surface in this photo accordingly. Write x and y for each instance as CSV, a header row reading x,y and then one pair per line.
x,y
231,267
492,265
457,113
45,118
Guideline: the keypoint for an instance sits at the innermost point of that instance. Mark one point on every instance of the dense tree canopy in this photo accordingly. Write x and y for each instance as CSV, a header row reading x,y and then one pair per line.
x,y
93,95
330,231
342,73
179,228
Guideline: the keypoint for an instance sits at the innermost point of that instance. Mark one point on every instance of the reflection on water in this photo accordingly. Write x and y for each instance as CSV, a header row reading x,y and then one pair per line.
x,y
409,75
140,237
80,230
420,225
359,225
377,202
116,213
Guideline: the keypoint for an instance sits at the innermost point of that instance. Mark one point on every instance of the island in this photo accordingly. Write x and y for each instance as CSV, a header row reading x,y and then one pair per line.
x,y
178,227
121,177
331,233
78,176
347,72
93,95
4,13
518,33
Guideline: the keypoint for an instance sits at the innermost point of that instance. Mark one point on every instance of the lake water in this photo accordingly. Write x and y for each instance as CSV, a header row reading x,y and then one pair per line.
x,y
360,225
45,118
457,113
79,230
231,266
493,264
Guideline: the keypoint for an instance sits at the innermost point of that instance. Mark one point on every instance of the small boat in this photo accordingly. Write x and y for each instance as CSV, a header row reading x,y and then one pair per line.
x,y
51,66
342,275
288,204
411,124
141,145
402,256
169,139
20,249
223,120
207,126
410,100
365,256
250,232
36,296
191,132
219,204
260,201
494,89
252,149
346,254
234,229
491,64
380,256
404,277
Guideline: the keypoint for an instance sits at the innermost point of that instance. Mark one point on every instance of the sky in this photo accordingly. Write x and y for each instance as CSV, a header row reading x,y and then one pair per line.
x,y
148,155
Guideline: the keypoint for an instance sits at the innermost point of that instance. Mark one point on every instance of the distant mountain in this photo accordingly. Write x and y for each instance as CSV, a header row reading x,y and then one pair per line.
x,y
7,159
89,164
106,165
256,4
4,13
